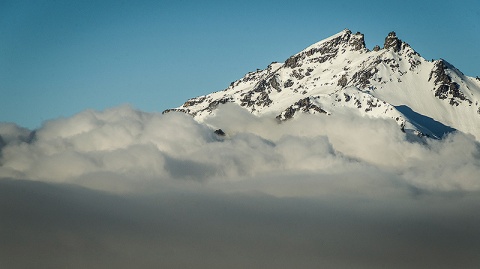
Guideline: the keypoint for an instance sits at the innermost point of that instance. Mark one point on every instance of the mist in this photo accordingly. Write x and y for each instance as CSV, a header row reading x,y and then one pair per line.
x,y
121,188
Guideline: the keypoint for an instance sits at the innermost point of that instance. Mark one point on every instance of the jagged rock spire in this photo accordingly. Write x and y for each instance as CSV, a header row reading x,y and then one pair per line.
x,y
392,41
357,41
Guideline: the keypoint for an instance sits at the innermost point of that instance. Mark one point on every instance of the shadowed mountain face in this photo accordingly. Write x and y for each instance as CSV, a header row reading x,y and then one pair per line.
x,y
425,124
340,73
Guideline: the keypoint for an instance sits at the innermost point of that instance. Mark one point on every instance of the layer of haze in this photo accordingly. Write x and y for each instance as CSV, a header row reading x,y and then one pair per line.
x,y
124,188
58,58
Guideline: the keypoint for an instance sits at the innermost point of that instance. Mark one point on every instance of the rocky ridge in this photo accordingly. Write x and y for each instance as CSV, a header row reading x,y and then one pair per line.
x,y
424,97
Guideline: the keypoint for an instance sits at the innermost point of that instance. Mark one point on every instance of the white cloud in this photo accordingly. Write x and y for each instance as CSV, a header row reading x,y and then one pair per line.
x,y
122,141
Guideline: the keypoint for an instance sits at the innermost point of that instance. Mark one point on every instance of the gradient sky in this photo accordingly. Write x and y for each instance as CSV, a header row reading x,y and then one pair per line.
x,y
58,58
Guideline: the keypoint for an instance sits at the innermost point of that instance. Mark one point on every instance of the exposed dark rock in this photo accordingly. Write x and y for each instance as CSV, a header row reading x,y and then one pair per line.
x,y
362,78
219,132
263,100
288,83
391,41
347,97
186,111
438,72
414,63
371,104
247,99
297,74
194,101
376,48
358,103
292,62
328,50
342,82
261,86
214,104
357,41
287,114
446,88
304,105
275,84
309,71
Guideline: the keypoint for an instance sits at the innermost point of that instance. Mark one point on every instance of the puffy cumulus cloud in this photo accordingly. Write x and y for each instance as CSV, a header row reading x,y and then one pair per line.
x,y
122,188
118,141
11,133
122,142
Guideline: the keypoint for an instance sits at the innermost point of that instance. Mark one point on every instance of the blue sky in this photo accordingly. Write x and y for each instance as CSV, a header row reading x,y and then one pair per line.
x,y
58,58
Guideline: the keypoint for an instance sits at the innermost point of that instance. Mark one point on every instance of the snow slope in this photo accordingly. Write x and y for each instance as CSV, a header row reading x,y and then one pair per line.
x,y
339,73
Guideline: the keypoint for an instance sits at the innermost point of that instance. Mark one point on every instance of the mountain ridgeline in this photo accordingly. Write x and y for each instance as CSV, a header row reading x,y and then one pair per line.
x,y
425,98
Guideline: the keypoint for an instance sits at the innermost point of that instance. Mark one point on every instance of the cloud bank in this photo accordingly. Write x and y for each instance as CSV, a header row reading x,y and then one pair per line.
x,y
125,143
123,188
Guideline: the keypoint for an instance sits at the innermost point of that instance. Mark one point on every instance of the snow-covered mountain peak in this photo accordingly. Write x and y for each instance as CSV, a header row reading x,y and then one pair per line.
x,y
328,48
339,73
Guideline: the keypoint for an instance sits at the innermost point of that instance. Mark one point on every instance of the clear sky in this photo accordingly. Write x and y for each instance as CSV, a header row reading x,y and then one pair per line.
x,y
58,58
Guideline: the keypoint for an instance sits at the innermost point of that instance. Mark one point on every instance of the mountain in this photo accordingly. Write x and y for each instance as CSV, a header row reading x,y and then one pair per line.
x,y
425,98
